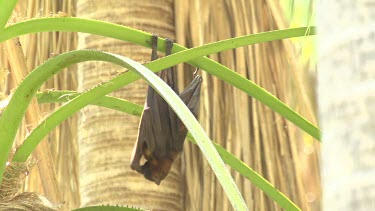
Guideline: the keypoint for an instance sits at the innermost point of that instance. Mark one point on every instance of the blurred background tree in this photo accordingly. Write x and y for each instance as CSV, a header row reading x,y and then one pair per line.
x,y
346,93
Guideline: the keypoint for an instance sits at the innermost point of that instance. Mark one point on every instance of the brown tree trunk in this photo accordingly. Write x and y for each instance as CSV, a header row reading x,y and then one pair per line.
x,y
106,137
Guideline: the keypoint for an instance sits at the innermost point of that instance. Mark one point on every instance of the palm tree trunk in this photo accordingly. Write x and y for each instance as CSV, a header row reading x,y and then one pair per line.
x,y
107,137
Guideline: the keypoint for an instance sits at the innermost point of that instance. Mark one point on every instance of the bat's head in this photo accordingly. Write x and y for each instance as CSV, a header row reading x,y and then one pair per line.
x,y
155,170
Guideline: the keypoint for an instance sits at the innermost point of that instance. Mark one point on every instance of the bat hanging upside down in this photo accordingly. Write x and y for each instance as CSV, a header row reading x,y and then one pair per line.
x,y
161,133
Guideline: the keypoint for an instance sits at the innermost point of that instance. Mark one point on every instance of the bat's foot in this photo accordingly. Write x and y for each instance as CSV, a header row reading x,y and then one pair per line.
x,y
168,46
154,47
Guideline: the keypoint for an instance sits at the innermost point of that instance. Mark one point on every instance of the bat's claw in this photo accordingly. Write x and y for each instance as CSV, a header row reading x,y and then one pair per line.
x,y
195,73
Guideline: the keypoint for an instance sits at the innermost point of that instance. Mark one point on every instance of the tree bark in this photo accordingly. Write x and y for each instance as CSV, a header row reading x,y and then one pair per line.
x,y
346,91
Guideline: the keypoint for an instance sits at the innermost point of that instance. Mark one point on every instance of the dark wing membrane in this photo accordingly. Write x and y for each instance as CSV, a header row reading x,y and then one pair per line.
x,y
152,104
190,96
169,77
159,135
145,129
143,137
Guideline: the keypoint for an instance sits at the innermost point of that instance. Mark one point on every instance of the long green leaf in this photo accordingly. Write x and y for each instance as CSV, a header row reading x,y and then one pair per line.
x,y
214,68
105,101
35,79
135,109
10,129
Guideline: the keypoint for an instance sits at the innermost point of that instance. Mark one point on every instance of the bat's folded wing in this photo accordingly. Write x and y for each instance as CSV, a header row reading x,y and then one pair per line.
x,y
141,140
190,96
